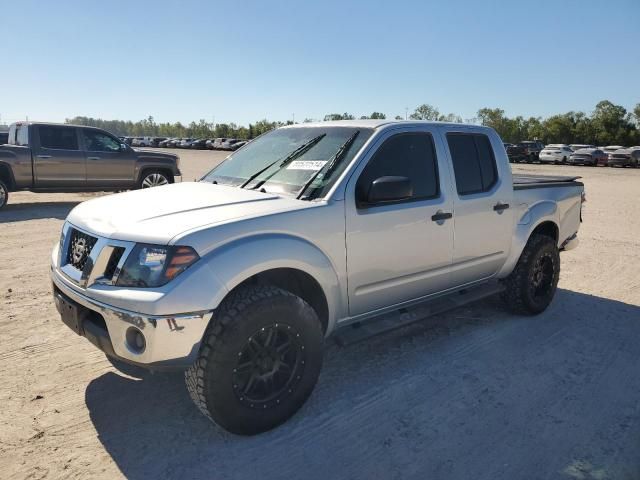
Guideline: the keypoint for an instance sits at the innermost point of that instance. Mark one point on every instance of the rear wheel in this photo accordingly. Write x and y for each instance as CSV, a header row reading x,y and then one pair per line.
x,y
4,194
532,285
154,178
259,361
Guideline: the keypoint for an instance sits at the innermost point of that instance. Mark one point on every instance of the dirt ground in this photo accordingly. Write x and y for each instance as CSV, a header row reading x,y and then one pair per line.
x,y
477,393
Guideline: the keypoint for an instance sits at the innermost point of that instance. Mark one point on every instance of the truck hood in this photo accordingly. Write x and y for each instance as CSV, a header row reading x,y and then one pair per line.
x,y
157,215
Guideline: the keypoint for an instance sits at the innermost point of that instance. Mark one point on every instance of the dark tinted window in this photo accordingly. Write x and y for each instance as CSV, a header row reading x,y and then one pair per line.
x,y
95,141
410,155
474,164
63,138
4,138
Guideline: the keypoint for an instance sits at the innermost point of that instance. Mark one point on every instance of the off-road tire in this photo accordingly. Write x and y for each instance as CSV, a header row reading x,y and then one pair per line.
x,y
212,379
521,295
4,194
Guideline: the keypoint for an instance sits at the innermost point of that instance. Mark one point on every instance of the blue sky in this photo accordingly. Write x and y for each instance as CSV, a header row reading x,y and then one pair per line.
x,y
241,61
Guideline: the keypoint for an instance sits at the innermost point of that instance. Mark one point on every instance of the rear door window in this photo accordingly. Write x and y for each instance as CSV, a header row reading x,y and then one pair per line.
x,y
58,138
474,163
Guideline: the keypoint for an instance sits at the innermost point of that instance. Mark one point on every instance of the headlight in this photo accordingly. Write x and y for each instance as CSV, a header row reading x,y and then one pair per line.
x,y
150,266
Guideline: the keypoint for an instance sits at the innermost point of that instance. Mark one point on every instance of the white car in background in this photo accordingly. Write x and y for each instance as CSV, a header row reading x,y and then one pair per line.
x,y
555,153
579,146
142,142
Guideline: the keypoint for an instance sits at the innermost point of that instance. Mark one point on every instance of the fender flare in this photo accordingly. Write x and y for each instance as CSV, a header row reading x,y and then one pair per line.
x,y
544,211
241,259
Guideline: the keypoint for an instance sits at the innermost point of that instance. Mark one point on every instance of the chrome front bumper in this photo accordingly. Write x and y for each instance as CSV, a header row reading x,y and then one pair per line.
x,y
170,341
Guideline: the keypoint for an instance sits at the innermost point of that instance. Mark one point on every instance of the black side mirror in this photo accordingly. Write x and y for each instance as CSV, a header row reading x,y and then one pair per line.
x,y
388,189
124,147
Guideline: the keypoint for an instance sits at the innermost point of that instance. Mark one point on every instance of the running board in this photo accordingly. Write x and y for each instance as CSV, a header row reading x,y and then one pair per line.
x,y
356,332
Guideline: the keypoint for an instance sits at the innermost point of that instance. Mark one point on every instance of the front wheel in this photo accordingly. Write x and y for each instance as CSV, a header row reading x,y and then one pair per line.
x,y
532,285
154,178
259,360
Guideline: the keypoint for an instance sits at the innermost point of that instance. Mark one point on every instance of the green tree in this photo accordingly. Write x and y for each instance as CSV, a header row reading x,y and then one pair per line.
x,y
338,116
425,112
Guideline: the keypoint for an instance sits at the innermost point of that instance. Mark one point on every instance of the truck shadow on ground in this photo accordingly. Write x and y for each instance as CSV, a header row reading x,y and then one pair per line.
x,y
475,393
21,212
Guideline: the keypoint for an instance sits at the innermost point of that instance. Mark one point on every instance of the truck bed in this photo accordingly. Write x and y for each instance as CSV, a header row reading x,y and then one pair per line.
x,y
523,182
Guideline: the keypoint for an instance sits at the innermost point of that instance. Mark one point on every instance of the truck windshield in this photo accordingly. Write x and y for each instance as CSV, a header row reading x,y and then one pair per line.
x,y
262,161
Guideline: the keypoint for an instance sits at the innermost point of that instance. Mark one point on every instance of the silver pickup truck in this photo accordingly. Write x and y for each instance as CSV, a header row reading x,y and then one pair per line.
x,y
305,232
49,157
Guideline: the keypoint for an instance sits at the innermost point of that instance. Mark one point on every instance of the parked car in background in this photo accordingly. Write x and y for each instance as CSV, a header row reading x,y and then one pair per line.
x,y
230,144
240,277
185,143
199,144
612,148
588,156
49,157
217,143
516,153
170,143
578,146
624,157
555,153
532,149
239,144
155,141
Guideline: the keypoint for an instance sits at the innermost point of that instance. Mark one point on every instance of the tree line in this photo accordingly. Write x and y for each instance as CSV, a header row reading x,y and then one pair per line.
x,y
608,124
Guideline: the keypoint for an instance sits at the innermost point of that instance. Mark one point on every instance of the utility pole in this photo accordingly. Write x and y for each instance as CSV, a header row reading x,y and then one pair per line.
x,y
406,113
293,115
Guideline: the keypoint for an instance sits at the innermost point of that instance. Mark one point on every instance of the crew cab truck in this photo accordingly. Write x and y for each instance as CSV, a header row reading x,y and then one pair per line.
x,y
306,231
49,157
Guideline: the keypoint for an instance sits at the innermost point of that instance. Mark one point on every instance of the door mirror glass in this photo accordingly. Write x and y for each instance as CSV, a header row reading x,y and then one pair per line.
x,y
389,189
124,147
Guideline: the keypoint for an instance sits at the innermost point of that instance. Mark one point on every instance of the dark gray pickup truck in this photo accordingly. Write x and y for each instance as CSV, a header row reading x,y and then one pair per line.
x,y
48,157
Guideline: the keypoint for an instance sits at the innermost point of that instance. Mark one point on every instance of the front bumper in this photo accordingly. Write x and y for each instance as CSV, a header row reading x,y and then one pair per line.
x,y
170,341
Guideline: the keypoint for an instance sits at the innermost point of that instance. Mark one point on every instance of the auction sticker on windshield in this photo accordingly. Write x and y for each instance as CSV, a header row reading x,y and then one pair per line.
x,y
306,165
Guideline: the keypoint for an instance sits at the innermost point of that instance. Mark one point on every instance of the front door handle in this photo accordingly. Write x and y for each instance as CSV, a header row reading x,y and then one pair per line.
x,y
440,216
44,157
499,207
93,158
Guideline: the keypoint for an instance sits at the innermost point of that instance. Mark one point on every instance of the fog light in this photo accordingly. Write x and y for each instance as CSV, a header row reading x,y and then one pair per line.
x,y
135,340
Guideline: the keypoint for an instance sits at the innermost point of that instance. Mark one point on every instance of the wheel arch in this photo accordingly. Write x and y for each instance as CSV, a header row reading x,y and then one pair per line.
x,y
6,175
540,218
144,170
288,262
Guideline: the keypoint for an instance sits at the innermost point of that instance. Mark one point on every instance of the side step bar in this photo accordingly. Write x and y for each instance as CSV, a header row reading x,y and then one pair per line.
x,y
359,331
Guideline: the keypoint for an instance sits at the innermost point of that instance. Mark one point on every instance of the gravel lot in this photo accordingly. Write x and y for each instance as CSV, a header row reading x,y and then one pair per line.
x,y
477,393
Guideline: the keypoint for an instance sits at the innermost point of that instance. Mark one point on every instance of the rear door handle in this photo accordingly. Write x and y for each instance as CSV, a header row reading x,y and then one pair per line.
x,y
93,158
44,157
499,207
440,216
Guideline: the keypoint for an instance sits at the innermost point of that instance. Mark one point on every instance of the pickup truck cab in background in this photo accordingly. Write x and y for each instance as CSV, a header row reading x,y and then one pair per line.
x,y
307,231
48,157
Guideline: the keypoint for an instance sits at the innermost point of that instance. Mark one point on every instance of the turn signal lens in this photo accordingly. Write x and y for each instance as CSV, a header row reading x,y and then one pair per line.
x,y
182,258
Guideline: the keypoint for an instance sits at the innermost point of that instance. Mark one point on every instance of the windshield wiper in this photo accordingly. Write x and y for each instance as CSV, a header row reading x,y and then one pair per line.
x,y
302,149
331,165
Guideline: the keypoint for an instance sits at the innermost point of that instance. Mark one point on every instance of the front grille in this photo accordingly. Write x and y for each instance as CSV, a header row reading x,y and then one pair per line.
x,y
80,246
116,255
